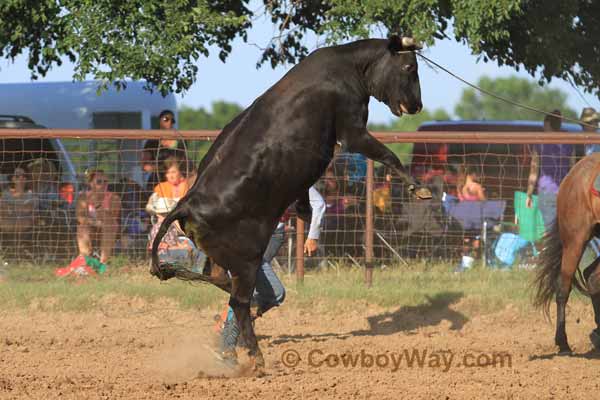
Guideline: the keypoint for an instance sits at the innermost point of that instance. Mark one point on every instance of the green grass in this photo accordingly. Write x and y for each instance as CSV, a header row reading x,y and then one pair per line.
x,y
337,288
478,290
27,284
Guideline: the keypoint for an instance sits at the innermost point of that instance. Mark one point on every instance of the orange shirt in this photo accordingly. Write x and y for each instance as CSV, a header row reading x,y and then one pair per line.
x,y
170,191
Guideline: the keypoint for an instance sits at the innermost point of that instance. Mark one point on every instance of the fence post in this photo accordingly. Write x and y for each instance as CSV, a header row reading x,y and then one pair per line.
x,y
369,225
299,251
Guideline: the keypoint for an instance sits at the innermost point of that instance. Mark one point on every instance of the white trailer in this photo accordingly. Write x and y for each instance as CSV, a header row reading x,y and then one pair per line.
x,y
77,105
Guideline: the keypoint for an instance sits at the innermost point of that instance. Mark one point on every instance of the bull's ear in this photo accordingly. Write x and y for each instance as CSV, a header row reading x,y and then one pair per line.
x,y
397,43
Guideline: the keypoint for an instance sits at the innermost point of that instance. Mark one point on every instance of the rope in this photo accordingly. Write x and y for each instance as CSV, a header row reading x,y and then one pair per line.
x,y
577,91
514,103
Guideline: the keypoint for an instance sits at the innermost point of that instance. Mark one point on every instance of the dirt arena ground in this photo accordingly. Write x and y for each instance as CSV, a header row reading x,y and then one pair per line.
x,y
128,351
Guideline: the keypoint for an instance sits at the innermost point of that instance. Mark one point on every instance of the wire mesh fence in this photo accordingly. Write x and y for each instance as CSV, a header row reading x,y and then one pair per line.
x,y
78,192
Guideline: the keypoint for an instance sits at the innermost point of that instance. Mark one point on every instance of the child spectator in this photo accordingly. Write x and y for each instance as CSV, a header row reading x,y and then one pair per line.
x,y
175,247
98,212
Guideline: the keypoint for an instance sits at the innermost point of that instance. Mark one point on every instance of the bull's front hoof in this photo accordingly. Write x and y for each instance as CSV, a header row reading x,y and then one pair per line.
x,y
595,339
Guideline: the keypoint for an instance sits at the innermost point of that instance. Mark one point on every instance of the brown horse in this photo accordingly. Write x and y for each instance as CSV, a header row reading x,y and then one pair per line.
x,y
577,221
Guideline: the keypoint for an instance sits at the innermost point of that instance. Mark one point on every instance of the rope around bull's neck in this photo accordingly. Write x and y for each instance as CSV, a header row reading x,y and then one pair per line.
x,y
492,94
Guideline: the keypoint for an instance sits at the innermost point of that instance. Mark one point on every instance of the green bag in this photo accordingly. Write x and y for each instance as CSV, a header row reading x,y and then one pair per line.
x,y
530,221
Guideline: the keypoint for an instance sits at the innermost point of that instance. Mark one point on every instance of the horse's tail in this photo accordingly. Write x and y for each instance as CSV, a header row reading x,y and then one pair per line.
x,y
547,278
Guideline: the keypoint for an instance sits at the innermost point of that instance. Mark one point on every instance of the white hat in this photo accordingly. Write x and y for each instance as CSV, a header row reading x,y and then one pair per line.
x,y
160,205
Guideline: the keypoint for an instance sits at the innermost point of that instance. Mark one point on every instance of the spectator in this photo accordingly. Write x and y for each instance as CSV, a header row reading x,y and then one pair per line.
x,y
17,206
550,163
590,117
157,151
44,182
382,194
468,187
269,290
98,212
175,248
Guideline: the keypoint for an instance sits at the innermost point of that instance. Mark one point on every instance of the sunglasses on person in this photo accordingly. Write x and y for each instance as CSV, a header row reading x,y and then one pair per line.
x,y
100,181
167,119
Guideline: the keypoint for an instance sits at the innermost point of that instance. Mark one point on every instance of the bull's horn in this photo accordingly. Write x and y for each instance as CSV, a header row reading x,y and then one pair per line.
x,y
410,42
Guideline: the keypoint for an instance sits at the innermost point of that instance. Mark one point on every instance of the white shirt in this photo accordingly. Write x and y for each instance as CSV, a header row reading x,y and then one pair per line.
x,y
317,203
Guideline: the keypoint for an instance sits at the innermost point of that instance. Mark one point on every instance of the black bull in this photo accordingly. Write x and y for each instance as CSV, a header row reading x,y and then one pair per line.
x,y
270,154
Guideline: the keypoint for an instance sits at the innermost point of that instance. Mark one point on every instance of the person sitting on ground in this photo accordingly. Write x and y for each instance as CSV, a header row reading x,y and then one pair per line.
x,y
174,248
98,211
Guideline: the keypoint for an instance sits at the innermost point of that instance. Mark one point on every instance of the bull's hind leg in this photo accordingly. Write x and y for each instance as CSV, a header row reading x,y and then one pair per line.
x,y
570,259
242,288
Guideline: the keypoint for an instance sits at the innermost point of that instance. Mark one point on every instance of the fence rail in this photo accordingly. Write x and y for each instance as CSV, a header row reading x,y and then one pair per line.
x,y
385,137
373,218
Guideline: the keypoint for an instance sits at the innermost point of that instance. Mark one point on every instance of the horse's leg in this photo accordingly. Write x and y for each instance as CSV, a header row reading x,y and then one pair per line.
x,y
570,259
242,288
592,277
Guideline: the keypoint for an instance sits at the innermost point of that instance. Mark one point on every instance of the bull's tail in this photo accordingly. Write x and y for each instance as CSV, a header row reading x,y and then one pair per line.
x,y
164,272
158,270
548,274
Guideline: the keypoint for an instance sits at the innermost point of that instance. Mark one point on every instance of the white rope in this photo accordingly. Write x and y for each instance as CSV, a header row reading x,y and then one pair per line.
x,y
517,104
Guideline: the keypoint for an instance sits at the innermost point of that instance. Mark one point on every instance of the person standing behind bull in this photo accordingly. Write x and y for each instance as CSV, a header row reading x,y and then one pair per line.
x,y
269,291
550,163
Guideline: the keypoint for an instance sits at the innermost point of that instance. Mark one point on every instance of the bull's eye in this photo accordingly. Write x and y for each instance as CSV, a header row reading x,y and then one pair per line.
x,y
407,67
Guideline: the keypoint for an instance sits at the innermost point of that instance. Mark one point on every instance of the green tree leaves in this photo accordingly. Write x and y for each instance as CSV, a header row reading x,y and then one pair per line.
x,y
410,123
222,113
475,105
160,40
113,40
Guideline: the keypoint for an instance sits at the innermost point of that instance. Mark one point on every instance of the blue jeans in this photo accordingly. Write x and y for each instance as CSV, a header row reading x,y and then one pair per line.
x,y
269,291
547,206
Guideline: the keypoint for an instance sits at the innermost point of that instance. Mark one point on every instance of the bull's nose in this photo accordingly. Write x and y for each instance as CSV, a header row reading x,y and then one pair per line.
x,y
419,107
